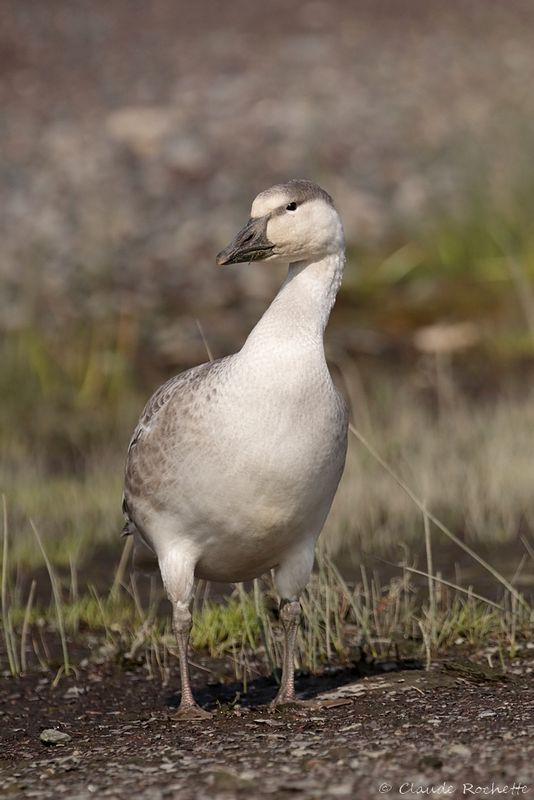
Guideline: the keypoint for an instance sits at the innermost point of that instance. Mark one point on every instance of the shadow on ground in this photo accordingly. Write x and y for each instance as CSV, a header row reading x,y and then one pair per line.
x,y
261,691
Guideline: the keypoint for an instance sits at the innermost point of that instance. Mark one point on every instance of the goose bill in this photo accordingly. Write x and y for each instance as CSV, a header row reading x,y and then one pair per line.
x,y
250,244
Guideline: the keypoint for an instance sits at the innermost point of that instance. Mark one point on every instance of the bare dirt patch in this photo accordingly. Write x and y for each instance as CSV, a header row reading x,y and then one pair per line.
x,y
456,724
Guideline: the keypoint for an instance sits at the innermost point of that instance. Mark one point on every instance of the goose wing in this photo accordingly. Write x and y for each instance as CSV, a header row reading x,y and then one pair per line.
x,y
180,385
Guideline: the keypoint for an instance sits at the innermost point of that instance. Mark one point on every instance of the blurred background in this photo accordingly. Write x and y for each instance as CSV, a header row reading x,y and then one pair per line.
x,y
133,138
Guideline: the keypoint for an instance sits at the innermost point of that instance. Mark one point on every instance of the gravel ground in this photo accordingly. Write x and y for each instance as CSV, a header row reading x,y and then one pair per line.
x,y
135,135
400,733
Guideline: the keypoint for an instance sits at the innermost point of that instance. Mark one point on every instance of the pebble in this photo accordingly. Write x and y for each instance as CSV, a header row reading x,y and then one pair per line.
x,y
340,790
52,736
73,692
460,750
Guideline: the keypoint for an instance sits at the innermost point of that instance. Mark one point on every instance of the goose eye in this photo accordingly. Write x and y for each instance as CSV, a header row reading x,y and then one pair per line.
x,y
291,207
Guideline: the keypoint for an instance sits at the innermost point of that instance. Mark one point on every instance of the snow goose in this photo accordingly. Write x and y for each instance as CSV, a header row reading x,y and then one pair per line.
x,y
234,464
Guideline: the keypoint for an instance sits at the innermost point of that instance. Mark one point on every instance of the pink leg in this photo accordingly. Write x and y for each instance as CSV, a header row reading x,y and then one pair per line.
x,y
290,619
188,708
178,571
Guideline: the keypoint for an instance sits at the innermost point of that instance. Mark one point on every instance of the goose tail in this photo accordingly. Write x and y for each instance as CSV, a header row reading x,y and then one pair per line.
x,y
129,526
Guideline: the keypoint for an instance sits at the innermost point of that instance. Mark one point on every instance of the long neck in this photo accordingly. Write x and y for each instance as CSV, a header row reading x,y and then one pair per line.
x,y
301,309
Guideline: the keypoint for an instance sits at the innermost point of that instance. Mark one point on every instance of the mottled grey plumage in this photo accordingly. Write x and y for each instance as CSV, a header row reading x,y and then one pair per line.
x,y
186,384
144,457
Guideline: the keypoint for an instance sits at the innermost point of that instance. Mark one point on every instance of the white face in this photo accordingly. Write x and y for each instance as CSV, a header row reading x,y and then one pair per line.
x,y
298,230
291,222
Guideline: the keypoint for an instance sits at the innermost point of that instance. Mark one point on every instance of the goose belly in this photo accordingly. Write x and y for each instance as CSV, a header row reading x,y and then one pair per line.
x,y
262,481
260,506
254,535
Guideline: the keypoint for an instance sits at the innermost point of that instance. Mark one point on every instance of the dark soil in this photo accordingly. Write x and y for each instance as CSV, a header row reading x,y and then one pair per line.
x,y
392,732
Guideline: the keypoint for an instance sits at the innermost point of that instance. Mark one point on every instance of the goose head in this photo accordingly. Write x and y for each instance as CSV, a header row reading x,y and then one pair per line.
x,y
294,221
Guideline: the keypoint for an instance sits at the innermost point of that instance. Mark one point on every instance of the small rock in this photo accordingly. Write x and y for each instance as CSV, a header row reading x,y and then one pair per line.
x,y
51,736
460,750
70,762
73,692
373,753
299,752
488,713
270,722
226,780
340,790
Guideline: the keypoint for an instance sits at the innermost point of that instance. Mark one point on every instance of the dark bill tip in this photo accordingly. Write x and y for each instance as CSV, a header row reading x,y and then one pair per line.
x,y
250,244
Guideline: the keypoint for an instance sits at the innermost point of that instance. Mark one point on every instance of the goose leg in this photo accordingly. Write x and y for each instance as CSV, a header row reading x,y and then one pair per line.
x,y
182,622
290,578
290,618
178,570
